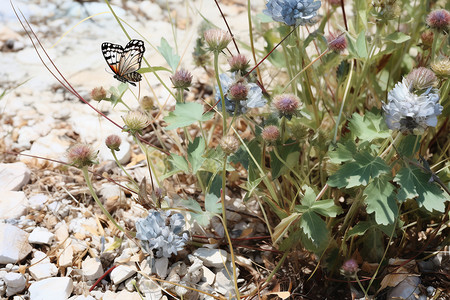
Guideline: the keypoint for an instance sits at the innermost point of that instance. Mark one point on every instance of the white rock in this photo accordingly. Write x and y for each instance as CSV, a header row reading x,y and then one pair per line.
x,y
13,204
13,176
41,267
15,283
51,288
37,201
212,257
40,235
14,244
161,267
150,289
92,268
224,284
151,10
62,232
66,257
124,294
53,145
208,276
111,191
121,273
82,297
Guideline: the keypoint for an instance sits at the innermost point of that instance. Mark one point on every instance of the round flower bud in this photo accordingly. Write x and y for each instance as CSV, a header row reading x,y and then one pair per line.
x,y
98,94
441,67
217,39
147,103
136,121
427,38
182,79
81,155
286,104
270,133
238,91
421,79
349,268
113,142
439,20
238,63
229,144
337,42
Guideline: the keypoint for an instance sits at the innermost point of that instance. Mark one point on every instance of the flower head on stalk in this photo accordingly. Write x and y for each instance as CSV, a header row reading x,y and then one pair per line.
x,y
239,94
292,12
411,111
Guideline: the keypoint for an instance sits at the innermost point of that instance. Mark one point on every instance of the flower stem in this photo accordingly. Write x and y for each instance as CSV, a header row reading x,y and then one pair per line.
x,y
222,98
99,203
123,169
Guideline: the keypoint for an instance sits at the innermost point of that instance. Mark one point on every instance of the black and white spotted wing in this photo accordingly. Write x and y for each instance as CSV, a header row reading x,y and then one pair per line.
x,y
124,62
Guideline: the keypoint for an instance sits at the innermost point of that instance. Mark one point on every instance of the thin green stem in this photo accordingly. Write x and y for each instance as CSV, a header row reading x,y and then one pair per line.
x,y
123,169
222,98
99,203
347,88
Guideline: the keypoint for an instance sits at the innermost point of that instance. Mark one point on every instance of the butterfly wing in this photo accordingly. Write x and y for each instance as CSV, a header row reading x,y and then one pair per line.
x,y
131,58
113,54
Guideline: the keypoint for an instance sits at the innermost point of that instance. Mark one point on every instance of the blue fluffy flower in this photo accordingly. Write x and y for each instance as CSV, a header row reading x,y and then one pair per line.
x,y
162,232
292,12
254,97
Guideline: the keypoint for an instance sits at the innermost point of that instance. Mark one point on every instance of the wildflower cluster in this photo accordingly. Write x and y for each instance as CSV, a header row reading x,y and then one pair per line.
x,y
162,232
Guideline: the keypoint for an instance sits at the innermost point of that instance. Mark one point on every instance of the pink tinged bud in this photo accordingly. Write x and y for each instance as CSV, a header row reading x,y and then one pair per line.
x,y
98,94
238,63
439,20
336,42
238,91
81,155
270,133
229,144
113,142
182,79
286,104
349,268
217,39
421,79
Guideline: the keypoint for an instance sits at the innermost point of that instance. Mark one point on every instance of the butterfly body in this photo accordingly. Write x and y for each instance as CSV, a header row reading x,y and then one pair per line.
x,y
125,62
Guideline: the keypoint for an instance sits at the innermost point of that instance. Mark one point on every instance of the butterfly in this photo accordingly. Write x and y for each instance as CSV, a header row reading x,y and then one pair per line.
x,y
124,62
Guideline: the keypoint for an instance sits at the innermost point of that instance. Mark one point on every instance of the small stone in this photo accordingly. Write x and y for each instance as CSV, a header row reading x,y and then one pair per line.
x,y
14,176
223,282
161,267
37,201
212,257
62,232
92,268
149,288
40,236
208,276
51,288
13,204
14,244
15,283
66,257
41,267
121,273
82,297
124,294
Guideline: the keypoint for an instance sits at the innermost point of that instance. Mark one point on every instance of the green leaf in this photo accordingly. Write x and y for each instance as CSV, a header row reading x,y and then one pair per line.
x,y
309,198
398,37
314,227
362,227
369,127
195,150
196,212
179,162
326,208
166,51
213,204
409,145
241,156
361,47
358,172
344,152
186,114
416,184
255,150
289,155
380,200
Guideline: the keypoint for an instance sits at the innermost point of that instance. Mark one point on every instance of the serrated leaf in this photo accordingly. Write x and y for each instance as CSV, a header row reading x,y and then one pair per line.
x,y
358,172
398,37
195,150
368,127
360,228
416,184
380,200
213,204
186,114
309,198
289,155
282,228
179,162
241,156
326,208
409,145
314,227
167,52
343,152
